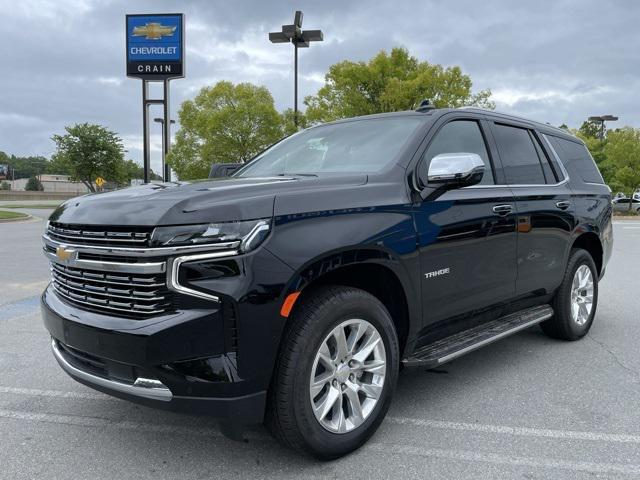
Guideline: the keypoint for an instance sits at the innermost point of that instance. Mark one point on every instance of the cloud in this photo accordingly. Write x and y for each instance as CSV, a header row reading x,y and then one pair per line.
x,y
554,61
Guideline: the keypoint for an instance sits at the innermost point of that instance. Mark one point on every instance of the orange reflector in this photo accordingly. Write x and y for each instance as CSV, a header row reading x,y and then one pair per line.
x,y
288,304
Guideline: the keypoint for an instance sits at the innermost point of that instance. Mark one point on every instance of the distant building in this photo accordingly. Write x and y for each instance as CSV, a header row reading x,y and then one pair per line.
x,y
53,183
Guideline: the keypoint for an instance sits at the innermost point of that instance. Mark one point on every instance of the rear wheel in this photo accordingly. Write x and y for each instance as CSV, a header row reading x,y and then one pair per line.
x,y
336,373
577,298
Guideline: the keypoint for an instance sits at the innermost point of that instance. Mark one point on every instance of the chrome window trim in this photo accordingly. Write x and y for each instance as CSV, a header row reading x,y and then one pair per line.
x,y
142,387
556,156
172,278
140,252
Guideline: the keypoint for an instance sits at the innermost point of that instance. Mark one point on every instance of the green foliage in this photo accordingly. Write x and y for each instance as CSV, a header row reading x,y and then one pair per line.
x,y
24,167
34,185
590,129
134,170
5,186
4,215
622,151
288,122
89,151
223,123
390,82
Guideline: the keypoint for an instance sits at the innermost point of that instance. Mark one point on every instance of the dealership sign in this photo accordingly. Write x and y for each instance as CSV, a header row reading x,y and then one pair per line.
x,y
155,46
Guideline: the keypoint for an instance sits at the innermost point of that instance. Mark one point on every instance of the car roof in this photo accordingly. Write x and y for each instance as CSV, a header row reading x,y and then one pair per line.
x,y
435,113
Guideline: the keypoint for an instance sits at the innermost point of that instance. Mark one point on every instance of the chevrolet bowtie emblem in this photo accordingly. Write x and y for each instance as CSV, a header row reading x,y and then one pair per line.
x,y
153,31
64,254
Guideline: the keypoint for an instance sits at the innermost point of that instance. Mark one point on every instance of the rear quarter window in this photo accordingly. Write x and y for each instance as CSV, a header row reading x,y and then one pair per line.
x,y
576,160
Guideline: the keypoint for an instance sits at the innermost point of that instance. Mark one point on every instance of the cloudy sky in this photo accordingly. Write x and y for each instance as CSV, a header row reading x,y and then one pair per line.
x,y
555,61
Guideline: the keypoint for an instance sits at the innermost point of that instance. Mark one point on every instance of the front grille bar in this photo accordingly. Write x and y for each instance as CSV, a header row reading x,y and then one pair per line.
x,y
125,307
143,268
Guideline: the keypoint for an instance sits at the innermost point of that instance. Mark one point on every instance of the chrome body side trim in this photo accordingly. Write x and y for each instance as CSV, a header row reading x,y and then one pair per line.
x,y
172,279
142,387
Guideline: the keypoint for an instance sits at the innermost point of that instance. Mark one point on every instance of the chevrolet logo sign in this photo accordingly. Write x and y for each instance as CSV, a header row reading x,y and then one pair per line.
x,y
153,31
65,254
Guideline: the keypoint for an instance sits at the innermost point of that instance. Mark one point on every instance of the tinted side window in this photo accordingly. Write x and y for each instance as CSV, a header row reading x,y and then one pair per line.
x,y
577,160
549,174
519,157
458,136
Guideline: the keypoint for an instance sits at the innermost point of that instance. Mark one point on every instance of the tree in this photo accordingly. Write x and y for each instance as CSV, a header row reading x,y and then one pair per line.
x,y
622,151
289,126
89,151
34,185
24,167
134,170
223,123
390,82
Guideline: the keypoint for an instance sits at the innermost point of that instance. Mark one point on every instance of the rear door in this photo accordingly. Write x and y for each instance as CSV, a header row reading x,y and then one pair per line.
x,y
467,236
545,212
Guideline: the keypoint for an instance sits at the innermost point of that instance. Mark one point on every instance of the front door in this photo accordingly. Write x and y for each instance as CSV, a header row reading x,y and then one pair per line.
x,y
467,236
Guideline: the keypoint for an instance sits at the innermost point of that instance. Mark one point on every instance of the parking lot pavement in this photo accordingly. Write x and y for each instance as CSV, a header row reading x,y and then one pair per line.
x,y
525,407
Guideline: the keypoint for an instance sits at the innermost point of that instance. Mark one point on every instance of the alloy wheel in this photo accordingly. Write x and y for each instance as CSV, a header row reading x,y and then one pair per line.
x,y
582,295
347,376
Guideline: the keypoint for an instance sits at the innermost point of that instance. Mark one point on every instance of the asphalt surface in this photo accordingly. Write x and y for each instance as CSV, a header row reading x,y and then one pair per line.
x,y
525,407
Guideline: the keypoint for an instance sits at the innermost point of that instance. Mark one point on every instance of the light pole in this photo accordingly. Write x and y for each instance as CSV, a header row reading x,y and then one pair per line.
x,y
601,119
166,171
300,39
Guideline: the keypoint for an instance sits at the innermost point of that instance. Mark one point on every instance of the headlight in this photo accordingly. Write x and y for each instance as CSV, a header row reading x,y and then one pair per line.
x,y
250,234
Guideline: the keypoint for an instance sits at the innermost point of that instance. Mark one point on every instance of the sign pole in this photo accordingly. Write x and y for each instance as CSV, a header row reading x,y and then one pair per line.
x,y
166,134
145,132
155,53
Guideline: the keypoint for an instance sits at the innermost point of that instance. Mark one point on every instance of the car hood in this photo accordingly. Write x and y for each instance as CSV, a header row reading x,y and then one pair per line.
x,y
218,200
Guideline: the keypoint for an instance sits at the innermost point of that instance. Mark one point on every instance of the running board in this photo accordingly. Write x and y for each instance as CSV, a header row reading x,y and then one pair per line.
x,y
469,340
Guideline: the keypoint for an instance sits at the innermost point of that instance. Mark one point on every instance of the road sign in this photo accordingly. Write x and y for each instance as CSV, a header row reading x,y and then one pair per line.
x,y
100,182
155,46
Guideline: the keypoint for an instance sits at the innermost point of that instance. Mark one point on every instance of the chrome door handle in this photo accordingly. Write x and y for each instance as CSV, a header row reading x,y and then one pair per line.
x,y
502,209
563,205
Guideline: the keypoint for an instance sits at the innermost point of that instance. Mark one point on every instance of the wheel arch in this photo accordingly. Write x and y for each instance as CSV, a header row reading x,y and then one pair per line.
x,y
375,271
590,242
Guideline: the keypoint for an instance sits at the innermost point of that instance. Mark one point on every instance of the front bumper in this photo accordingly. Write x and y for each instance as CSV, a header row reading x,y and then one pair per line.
x,y
151,362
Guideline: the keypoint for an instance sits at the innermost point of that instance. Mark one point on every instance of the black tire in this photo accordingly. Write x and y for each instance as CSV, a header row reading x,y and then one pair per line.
x,y
289,415
562,325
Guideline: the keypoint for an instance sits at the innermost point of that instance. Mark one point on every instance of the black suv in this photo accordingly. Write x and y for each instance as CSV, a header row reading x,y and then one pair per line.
x,y
293,291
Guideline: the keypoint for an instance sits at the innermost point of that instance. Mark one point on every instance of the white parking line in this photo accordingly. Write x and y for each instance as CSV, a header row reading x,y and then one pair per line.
x,y
93,422
518,431
54,393
439,424
378,447
495,458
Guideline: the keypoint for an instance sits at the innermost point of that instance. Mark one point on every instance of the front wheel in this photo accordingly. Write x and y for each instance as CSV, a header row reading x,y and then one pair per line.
x,y
577,298
336,373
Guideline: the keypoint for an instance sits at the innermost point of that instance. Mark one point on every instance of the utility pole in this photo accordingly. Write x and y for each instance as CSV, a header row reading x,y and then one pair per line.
x,y
601,119
300,39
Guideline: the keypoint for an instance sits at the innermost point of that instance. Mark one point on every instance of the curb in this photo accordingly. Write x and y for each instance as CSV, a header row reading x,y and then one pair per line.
x,y
21,219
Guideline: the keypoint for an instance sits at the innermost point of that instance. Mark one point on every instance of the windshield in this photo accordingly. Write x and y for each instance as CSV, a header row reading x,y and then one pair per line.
x,y
361,146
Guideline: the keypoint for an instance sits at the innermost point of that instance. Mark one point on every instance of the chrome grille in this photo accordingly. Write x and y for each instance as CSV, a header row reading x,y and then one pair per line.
x,y
139,295
96,235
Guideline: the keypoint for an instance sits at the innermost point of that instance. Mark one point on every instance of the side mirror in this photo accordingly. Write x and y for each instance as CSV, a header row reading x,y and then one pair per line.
x,y
455,170
452,170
